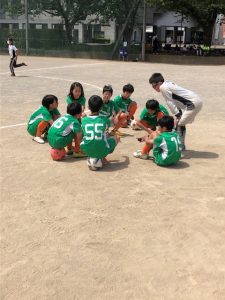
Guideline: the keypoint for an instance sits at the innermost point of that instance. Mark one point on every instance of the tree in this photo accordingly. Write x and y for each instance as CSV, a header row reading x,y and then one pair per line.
x,y
119,10
204,11
71,11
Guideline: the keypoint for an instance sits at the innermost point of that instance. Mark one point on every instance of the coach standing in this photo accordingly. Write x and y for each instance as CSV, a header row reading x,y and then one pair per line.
x,y
184,104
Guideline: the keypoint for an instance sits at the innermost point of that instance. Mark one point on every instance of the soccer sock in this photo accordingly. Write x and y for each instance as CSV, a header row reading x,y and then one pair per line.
x,y
122,121
132,110
69,147
146,148
41,128
181,130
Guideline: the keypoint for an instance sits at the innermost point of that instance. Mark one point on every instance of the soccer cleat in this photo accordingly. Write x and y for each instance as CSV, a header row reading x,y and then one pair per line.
x,y
24,64
114,132
94,163
39,140
79,154
92,168
139,154
69,152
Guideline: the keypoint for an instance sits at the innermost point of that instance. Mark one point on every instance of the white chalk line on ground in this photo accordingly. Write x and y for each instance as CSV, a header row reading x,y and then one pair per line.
x,y
15,125
51,78
59,67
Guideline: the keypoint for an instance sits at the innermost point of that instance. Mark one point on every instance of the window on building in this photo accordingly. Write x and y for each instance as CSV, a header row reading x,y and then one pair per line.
x,y
57,26
5,25
32,26
75,35
15,26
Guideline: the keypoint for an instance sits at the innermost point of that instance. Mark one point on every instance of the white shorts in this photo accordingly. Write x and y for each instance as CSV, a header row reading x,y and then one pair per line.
x,y
188,116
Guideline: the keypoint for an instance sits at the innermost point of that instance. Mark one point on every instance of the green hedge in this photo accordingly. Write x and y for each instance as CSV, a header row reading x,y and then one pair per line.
x,y
55,39
38,38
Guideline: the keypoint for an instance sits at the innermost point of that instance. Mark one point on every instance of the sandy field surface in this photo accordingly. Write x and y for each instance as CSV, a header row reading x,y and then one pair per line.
x,y
130,231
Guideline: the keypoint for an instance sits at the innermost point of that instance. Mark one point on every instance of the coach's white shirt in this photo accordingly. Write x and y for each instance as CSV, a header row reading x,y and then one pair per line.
x,y
11,48
178,97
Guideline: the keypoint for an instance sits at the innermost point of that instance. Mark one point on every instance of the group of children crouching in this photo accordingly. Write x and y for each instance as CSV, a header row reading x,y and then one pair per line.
x,y
87,134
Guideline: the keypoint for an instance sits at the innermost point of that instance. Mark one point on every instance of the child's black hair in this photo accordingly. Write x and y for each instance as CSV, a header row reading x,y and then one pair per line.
x,y
74,108
107,88
95,103
73,86
152,104
166,121
156,78
49,99
128,88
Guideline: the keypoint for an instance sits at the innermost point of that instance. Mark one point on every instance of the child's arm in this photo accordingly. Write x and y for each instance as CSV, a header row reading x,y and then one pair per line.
x,y
139,124
116,117
79,137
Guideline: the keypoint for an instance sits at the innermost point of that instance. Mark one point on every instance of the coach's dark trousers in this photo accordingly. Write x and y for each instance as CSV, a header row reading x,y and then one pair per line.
x,y
13,65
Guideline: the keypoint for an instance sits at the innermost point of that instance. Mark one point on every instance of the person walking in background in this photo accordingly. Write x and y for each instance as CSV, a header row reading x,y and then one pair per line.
x,y
13,52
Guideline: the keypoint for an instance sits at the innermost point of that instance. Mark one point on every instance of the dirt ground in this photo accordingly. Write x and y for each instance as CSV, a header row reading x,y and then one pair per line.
x,y
130,231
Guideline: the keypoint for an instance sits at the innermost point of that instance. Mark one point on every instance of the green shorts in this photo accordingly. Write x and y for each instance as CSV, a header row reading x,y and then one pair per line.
x,y
99,150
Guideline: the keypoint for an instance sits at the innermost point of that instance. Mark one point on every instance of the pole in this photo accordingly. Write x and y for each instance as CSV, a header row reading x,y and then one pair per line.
x,y
135,4
26,18
144,32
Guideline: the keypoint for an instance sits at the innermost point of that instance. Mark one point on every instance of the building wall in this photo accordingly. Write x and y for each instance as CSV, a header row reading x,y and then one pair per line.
x,y
46,21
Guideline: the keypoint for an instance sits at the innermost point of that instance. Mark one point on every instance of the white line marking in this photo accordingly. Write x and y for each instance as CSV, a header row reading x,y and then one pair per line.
x,y
15,125
60,67
69,80
52,78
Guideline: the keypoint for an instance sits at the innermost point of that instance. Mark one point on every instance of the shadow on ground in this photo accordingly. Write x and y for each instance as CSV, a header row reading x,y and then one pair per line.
x,y
116,165
179,165
200,154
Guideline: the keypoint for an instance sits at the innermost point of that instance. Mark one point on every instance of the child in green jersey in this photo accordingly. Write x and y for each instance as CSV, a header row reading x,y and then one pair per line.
x,y
63,131
96,144
43,118
111,111
76,94
127,106
150,115
165,143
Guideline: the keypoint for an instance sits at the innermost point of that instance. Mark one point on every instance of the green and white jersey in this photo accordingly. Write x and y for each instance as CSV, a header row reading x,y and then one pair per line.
x,y
81,100
152,120
167,148
95,143
122,103
108,109
62,131
41,114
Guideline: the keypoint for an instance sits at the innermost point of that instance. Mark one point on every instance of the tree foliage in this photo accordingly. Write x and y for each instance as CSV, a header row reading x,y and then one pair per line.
x,y
204,11
71,11
118,10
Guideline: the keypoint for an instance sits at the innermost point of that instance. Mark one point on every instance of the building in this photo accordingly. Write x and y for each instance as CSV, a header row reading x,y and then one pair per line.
x,y
164,24
87,31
